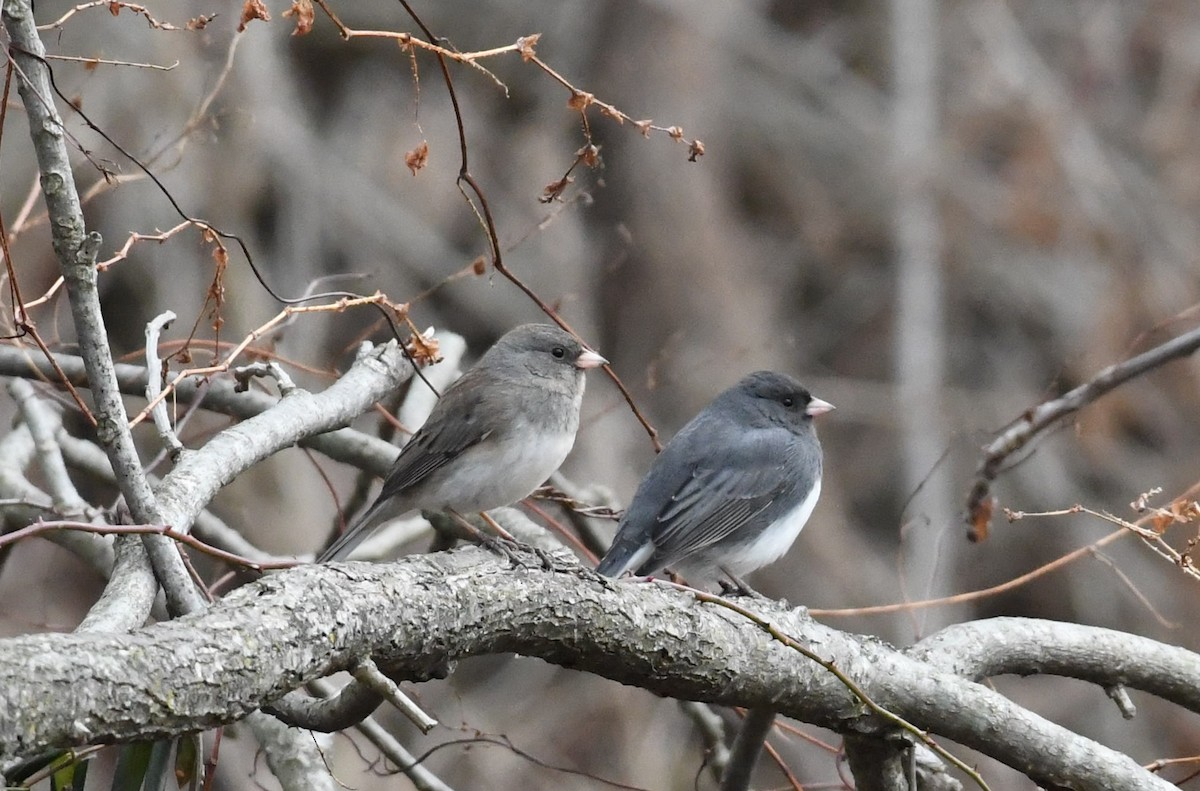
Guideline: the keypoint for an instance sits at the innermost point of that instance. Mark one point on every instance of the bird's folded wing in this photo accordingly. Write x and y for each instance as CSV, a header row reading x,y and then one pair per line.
x,y
455,425
714,502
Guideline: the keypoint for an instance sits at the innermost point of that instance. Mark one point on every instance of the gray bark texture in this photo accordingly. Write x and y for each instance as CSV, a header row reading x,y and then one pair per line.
x,y
420,613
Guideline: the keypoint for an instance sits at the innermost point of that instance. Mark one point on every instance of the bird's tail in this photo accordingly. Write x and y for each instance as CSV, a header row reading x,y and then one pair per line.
x,y
357,532
624,556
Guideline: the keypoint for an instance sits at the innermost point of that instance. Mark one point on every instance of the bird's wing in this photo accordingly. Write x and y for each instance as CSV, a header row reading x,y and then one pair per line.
x,y
717,499
455,424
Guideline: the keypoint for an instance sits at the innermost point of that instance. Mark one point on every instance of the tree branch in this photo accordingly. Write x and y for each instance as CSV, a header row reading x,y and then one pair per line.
x,y
1037,420
421,612
345,445
1028,646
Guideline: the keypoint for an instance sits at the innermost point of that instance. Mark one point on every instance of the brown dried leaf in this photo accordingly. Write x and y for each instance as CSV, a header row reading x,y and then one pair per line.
x,y
423,349
589,155
525,45
114,8
612,112
200,22
479,265
981,519
251,10
555,188
580,100
303,11
644,126
418,157
695,150
675,132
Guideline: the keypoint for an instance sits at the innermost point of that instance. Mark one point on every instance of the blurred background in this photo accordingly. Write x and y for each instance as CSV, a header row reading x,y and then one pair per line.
x,y
936,215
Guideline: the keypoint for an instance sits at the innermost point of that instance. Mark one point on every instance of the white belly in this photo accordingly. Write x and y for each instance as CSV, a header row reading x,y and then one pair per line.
x,y
774,541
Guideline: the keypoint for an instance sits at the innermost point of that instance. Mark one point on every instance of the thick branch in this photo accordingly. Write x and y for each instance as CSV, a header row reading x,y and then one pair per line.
x,y
76,250
346,445
199,475
424,611
1028,646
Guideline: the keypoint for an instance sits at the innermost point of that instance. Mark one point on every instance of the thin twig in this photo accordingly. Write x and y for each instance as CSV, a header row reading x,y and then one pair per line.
x,y
38,528
367,672
1035,421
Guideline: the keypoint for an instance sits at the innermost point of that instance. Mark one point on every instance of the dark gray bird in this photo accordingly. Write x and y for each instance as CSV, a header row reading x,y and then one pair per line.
x,y
731,490
493,437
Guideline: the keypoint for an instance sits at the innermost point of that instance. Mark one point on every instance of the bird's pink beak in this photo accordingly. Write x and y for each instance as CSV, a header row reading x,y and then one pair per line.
x,y
818,407
589,359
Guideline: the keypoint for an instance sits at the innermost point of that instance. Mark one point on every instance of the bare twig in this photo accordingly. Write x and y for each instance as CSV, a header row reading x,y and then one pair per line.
x,y
154,366
711,728
144,530
108,62
1037,420
368,673
746,748
43,425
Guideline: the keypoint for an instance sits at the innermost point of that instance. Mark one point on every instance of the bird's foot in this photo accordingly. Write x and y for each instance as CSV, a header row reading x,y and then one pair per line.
x,y
736,586
517,552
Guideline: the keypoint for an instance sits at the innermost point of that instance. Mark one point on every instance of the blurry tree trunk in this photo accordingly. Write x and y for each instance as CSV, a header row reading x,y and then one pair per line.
x,y
919,357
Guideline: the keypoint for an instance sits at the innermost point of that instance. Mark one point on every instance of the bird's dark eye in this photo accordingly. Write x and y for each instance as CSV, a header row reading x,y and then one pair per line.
x,y
788,401
558,352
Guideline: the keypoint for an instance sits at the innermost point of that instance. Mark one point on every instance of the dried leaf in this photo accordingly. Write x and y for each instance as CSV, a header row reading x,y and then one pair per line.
x,y
612,113
303,11
525,45
555,188
251,10
418,157
675,132
981,519
589,155
200,22
644,126
423,349
580,100
479,265
695,150
114,8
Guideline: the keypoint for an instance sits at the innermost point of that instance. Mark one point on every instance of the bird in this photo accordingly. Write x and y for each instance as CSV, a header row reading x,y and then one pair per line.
x,y
496,434
731,491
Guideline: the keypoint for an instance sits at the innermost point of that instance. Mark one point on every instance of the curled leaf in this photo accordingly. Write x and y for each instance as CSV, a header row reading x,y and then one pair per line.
x,y
303,11
555,188
580,100
525,45
418,157
251,10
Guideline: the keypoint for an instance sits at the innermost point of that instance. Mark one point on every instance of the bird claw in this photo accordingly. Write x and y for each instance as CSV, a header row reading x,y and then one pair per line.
x,y
517,552
736,586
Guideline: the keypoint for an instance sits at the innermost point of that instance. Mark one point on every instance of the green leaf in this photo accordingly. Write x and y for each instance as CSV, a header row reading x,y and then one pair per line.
x,y
28,767
161,766
64,779
187,760
80,775
131,766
